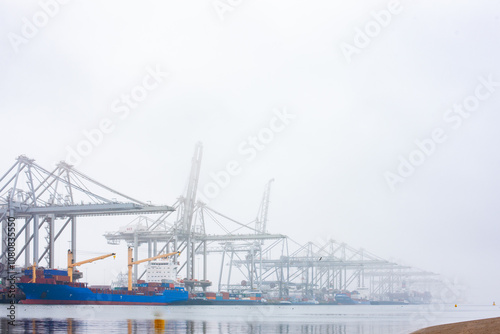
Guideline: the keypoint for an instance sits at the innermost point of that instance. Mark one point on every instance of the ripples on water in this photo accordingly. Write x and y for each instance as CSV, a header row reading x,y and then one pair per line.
x,y
185,326
236,320
177,326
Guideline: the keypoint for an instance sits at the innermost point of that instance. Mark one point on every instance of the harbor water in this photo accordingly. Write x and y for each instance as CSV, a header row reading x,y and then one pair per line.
x,y
356,319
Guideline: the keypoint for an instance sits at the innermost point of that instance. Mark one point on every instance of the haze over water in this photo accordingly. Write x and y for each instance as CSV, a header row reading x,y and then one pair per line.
x,y
369,319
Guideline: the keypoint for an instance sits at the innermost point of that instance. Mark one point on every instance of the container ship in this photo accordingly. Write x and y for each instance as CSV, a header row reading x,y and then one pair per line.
x,y
50,288
54,286
57,287
351,298
225,298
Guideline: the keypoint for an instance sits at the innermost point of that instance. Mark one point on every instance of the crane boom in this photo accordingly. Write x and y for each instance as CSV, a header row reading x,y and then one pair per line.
x,y
131,263
71,265
261,222
155,257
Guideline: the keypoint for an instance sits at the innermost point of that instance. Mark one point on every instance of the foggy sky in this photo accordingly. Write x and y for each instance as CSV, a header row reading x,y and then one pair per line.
x,y
352,120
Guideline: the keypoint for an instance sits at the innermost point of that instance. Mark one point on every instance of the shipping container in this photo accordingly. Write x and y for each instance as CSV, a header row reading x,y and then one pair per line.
x,y
61,278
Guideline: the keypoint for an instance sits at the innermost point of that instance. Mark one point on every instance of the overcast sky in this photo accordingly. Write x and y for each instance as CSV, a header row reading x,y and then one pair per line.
x,y
355,84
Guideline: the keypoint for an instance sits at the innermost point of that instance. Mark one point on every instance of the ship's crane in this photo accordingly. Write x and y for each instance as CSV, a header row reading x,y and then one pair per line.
x,y
131,262
33,277
71,265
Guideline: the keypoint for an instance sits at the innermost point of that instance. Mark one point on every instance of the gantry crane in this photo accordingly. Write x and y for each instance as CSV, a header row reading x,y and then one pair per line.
x,y
71,265
131,262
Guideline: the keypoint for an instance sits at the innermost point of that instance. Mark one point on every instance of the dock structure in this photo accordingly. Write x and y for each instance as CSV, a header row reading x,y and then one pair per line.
x,y
251,258
247,256
319,270
35,197
186,231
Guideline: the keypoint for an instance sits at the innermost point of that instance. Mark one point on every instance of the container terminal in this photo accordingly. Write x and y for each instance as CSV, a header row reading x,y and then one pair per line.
x,y
253,265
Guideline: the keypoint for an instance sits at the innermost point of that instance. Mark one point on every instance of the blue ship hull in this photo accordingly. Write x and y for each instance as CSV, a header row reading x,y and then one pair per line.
x,y
37,293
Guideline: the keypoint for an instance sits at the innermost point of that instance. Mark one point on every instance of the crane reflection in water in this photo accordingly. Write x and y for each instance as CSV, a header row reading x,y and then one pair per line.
x,y
157,326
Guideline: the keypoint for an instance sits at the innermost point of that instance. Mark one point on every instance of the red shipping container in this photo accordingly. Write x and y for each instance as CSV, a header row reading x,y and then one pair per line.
x,y
25,279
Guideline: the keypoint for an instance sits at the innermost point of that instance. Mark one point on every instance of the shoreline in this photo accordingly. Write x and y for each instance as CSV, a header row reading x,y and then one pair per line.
x,y
483,326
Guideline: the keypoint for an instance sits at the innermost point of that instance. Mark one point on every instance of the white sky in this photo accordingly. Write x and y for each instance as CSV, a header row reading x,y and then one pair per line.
x,y
352,121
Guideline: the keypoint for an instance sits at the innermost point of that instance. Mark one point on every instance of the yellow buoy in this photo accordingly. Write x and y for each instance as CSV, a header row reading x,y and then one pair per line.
x,y
455,305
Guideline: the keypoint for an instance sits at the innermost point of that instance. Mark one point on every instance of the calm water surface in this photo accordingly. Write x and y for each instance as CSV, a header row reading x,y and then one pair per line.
x,y
335,319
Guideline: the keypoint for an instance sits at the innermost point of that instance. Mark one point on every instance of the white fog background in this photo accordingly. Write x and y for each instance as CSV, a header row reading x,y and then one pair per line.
x,y
354,117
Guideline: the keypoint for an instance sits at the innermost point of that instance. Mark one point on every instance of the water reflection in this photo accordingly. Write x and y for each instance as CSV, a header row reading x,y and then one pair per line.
x,y
157,326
